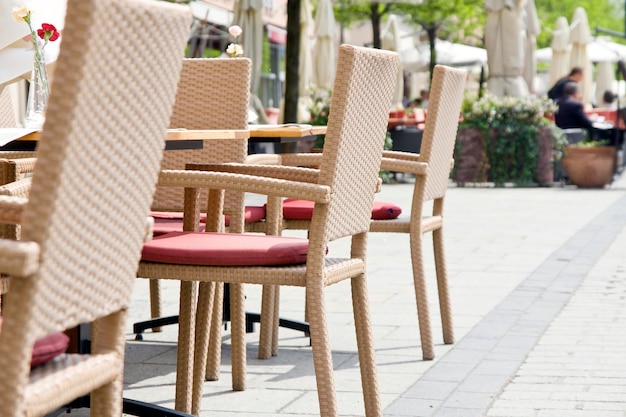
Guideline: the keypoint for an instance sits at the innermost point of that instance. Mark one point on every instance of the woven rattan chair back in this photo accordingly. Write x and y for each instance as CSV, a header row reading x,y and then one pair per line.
x,y
7,114
441,126
85,220
212,94
352,131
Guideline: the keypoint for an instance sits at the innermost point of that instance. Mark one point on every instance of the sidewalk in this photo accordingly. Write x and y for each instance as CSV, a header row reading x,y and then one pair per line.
x,y
537,300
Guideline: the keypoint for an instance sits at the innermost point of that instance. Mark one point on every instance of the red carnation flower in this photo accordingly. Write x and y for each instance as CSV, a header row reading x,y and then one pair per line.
x,y
48,32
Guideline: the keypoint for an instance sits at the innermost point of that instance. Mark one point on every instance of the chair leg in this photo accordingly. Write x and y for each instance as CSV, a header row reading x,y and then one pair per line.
x,y
266,336
445,306
238,336
108,334
215,339
155,301
322,358
364,337
276,320
421,297
186,336
206,296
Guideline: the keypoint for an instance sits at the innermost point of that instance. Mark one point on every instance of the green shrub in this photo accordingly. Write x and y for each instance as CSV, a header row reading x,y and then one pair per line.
x,y
510,128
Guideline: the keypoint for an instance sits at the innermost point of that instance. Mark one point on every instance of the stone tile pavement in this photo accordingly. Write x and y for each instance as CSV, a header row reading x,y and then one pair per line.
x,y
536,276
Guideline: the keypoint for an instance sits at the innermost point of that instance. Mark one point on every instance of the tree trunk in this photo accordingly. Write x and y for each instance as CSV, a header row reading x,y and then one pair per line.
x,y
432,37
292,62
376,18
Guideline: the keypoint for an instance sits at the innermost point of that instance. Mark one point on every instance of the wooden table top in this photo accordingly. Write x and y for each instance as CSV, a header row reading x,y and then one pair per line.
x,y
176,134
254,131
285,130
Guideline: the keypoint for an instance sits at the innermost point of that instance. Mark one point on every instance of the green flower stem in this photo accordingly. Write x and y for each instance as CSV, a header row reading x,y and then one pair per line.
x,y
39,57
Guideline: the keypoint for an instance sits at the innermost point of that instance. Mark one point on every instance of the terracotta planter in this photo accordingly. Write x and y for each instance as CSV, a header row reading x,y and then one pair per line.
x,y
589,166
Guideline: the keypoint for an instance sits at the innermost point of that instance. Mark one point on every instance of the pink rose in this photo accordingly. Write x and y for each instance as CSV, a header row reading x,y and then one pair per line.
x,y
235,31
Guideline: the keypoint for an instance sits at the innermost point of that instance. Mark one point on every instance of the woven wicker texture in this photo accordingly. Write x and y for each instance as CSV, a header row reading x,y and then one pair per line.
x,y
344,194
432,168
12,170
98,161
212,94
7,115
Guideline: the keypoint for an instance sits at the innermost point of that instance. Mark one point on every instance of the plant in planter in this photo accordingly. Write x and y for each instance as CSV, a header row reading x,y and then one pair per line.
x,y
589,164
504,140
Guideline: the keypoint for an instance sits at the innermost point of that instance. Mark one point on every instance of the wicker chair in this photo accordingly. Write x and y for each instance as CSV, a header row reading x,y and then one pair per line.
x,y
212,94
96,172
343,189
432,168
7,115
13,164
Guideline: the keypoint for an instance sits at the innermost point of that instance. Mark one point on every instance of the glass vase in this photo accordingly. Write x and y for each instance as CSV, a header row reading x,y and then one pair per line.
x,y
37,94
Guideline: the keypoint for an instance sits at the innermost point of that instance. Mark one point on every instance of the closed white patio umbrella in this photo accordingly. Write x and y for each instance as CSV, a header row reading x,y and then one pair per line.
x,y
248,15
580,36
390,40
324,52
605,78
505,47
559,63
530,44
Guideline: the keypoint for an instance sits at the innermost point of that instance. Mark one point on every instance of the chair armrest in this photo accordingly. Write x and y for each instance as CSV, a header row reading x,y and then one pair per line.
x,y
405,156
286,159
246,183
289,173
19,188
24,165
263,159
406,166
11,209
18,258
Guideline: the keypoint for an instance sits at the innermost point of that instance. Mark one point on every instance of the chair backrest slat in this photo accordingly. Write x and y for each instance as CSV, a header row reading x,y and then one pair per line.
x,y
357,125
444,108
7,114
212,94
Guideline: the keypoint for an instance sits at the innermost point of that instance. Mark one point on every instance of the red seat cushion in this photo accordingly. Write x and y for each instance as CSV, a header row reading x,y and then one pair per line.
x,y
166,222
225,249
48,347
303,210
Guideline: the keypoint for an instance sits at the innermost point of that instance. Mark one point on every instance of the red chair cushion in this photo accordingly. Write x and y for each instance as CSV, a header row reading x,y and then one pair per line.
x,y
303,210
225,249
166,222
48,347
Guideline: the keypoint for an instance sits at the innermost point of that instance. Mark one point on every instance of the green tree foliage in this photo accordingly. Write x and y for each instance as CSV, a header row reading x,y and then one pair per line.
x,y
607,14
351,11
451,19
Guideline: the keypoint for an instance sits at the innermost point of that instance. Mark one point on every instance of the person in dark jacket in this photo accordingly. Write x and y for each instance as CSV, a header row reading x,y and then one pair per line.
x,y
574,76
571,113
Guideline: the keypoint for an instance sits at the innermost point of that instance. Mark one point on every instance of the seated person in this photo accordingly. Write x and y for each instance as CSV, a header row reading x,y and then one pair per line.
x,y
608,100
557,91
571,113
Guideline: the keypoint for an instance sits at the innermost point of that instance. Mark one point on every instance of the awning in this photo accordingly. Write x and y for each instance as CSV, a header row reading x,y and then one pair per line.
x,y
210,13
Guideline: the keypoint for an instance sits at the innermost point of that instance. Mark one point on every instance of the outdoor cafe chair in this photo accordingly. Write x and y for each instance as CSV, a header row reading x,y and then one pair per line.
x,y
343,190
98,161
212,94
431,168
14,165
